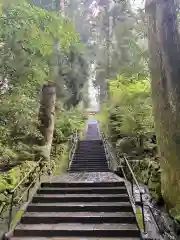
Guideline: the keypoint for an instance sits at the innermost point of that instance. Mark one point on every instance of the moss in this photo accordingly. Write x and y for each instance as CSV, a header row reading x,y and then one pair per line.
x,y
139,218
148,172
175,213
10,179
16,218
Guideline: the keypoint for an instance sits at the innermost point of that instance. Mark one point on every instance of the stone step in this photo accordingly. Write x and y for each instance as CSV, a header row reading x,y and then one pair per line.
x,y
77,230
90,146
90,164
80,207
55,198
80,217
74,238
83,190
90,157
86,171
80,214
91,142
95,169
78,165
89,161
94,166
98,166
90,151
90,154
90,169
82,184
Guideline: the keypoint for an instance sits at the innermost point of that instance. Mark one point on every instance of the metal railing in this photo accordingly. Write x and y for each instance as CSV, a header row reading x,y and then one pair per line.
x,y
111,158
22,190
124,164
134,183
73,144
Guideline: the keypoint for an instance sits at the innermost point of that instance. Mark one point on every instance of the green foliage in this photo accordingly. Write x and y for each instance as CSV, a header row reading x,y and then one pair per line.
x,y
67,122
175,213
60,157
131,104
122,47
27,36
129,108
149,173
74,75
103,116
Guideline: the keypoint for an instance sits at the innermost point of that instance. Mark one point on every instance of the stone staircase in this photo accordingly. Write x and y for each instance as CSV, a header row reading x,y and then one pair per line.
x,y
79,210
89,202
89,157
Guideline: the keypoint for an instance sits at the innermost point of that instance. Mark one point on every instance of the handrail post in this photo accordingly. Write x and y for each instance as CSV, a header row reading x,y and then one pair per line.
x,y
142,210
132,188
75,138
29,179
28,195
106,150
10,211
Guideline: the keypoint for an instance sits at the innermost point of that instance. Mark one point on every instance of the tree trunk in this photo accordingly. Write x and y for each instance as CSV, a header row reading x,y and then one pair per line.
x,y
165,73
46,116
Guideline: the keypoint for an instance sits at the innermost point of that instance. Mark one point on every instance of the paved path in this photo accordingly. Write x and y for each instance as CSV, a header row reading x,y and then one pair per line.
x,y
87,177
92,130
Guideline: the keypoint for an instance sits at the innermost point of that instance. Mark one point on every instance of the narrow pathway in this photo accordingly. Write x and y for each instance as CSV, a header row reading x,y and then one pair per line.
x,y
92,130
